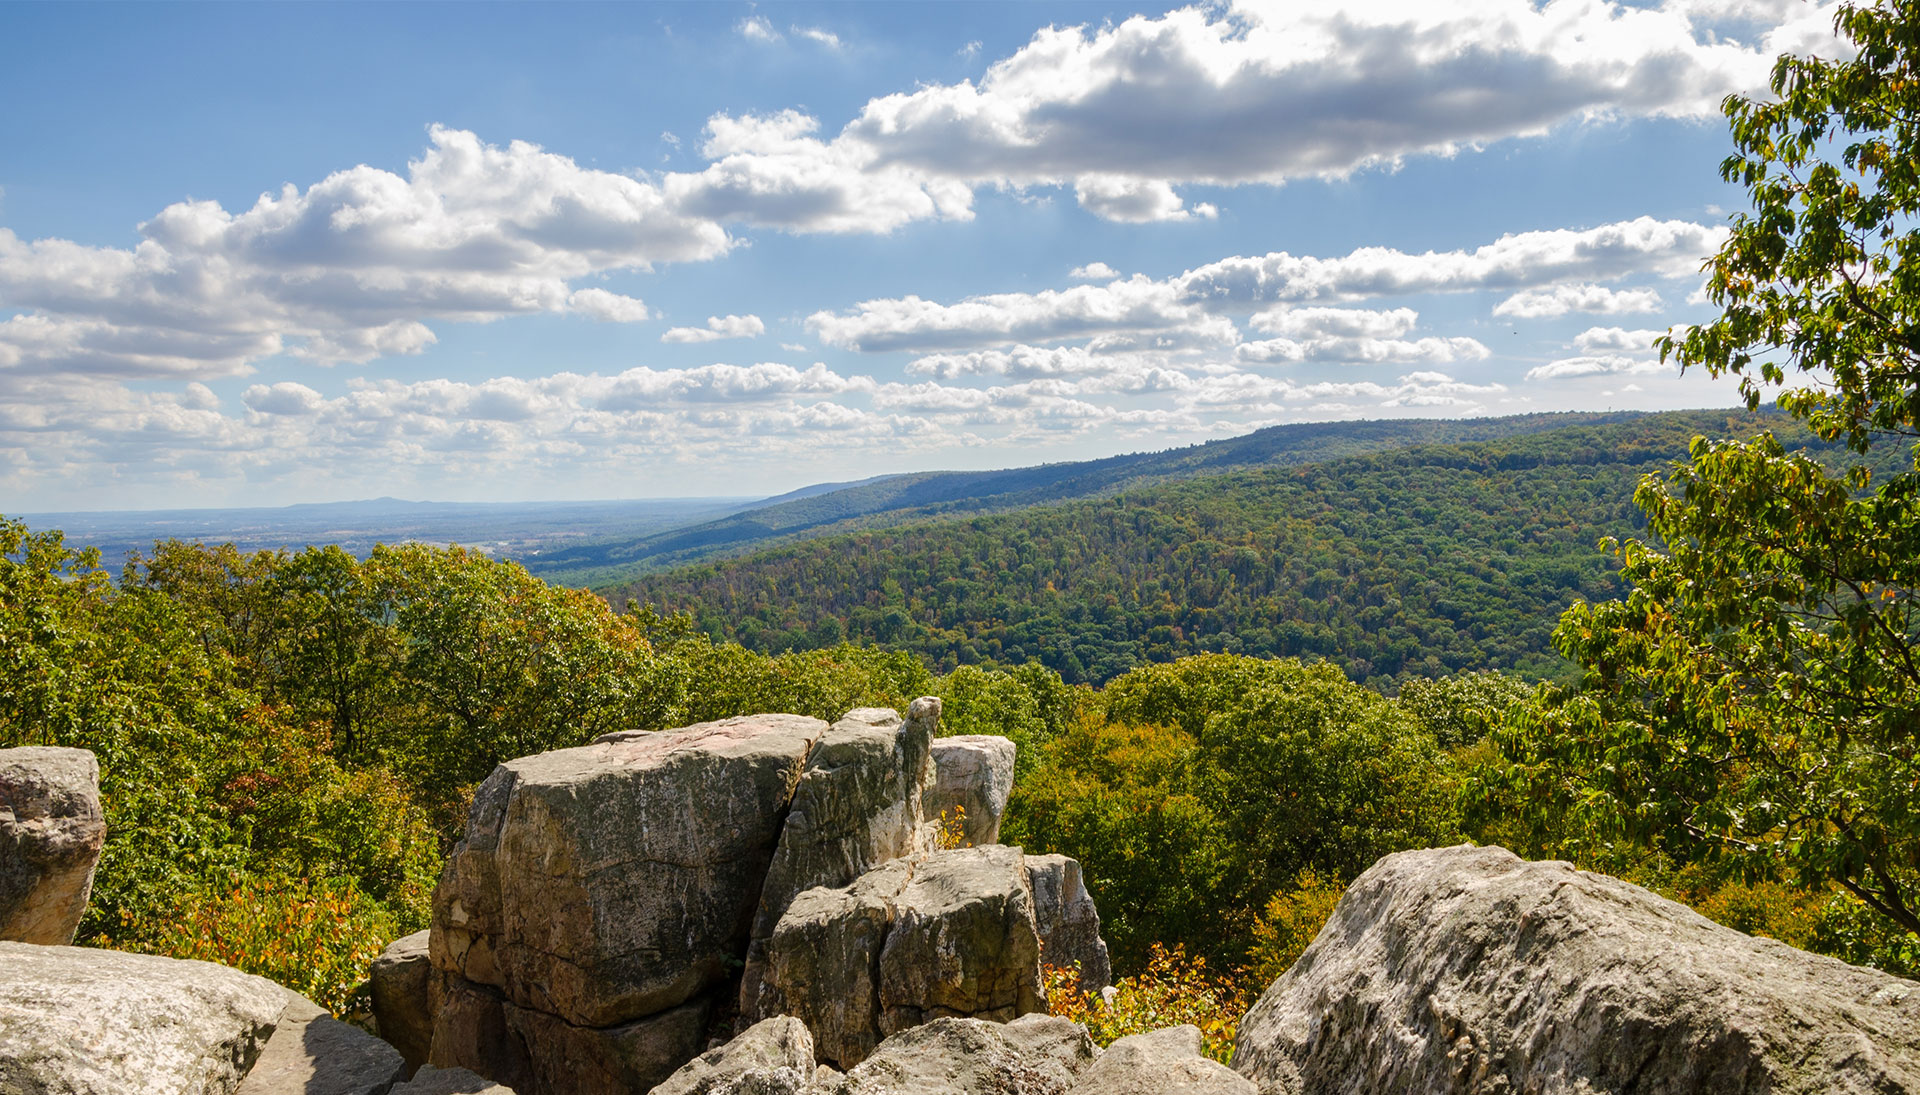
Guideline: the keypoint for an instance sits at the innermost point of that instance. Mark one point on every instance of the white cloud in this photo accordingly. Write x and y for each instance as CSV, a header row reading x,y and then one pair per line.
x,y
607,306
756,28
1592,365
718,327
1263,92
1363,351
1596,339
286,398
1188,305
1558,300
1094,271
817,35
1335,322
350,269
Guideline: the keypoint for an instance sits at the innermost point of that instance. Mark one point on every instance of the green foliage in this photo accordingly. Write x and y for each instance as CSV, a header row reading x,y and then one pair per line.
x,y
1172,990
1460,710
317,938
1417,563
1754,696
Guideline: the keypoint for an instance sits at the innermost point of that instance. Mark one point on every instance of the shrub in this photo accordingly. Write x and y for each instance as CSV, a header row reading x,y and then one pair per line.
x,y
1174,989
1288,923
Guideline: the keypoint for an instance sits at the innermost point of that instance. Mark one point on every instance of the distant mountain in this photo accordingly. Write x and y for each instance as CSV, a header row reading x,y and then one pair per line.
x,y
896,499
521,530
1421,560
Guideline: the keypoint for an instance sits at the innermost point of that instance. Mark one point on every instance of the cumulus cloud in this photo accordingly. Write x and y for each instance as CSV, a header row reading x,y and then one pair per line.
x,y
1094,271
718,327
1339,350
607,306
1561,299
1263,92
350,269
286,397
1619,339
1190,305
1592,365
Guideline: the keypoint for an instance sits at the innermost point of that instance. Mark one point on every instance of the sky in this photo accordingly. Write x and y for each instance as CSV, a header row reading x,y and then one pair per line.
x,y
305,252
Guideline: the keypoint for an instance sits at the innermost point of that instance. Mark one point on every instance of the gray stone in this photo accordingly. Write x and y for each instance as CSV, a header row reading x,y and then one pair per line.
x,y
858,805
400,980
772,1057
619,1060
470,1031
1068,922
1035,1055
1161,1062
973,778
1469,970
312,1053
950,934
51,830
449,1081
619,879
78,1021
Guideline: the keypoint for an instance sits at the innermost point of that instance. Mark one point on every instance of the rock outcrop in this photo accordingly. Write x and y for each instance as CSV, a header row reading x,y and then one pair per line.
x,y
401,985
312,1053
1068,921
77,1020
858,805
449,1081
952,934
1161,1062
973,778
51,831
1469,970
600,889
771,1057
1035,1055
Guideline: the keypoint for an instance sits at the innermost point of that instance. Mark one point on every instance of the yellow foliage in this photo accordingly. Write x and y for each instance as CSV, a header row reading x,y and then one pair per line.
x,y
1288,923
953,829
1174,989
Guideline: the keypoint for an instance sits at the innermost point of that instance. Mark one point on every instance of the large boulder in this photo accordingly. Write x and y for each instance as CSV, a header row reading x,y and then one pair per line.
x,y
51,830
312,1053
78,1021
401,985
564,1059
952,934
619,879
858,805
973,778
1469,970
449,1081
771,1057
1161,1062
1035,1055
1068,922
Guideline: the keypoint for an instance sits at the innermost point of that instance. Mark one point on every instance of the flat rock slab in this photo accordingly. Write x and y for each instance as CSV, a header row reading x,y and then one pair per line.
x,y
1035,1055
1470,970
51,832
312,1053
78,1021
449,1081
1161,1062
619,879
973,778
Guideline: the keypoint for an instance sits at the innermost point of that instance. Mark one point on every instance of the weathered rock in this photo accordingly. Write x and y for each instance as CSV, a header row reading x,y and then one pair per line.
x,y
619,879
963,941
449,1081
1069,924
824,961
312,1053
949,935
858,805
470,1031
401,980
973,777
1035,1055
1161,1062
618,1060
51,830
771,1057
78,1021
1468,970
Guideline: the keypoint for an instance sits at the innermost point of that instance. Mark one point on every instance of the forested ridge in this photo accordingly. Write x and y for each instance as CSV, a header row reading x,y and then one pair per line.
x,y
1424,561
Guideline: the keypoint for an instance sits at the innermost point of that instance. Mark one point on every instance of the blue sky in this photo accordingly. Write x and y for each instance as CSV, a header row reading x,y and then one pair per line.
x,y
265,254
